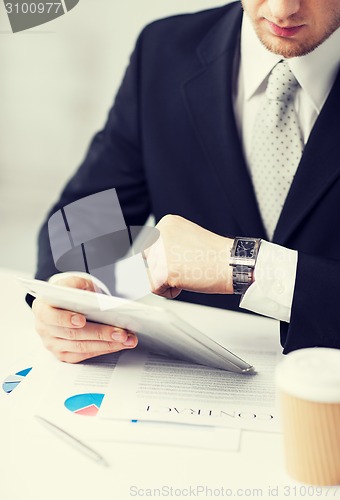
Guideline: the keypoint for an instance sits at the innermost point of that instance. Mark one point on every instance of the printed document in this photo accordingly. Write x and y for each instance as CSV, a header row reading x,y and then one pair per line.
x,y
148,387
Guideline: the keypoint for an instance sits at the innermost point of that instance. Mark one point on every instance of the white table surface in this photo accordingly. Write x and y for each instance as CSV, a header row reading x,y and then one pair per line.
x,y
38,466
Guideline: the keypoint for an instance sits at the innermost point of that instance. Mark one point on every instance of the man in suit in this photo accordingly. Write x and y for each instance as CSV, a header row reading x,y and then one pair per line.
x,y
180,140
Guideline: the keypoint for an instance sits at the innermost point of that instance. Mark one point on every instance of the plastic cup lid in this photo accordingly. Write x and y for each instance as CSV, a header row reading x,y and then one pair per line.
x,y
312,374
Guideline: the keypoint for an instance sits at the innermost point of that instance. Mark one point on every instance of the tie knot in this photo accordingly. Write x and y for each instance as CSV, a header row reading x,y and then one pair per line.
x,y
282,84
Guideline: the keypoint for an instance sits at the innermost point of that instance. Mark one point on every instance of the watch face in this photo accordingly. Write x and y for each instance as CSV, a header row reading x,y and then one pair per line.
x,y
245,248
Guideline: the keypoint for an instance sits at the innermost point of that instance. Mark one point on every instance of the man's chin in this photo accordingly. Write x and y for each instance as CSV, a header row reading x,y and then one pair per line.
x,y
286,48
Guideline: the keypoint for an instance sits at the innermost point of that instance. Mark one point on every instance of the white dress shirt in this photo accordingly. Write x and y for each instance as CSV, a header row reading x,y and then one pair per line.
x,y
271,294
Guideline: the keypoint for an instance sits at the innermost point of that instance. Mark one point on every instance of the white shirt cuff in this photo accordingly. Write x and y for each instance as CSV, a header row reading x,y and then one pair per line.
x,y
271,293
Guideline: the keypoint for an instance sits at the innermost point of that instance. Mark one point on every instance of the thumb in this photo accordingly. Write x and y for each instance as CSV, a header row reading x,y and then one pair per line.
x,y
76,282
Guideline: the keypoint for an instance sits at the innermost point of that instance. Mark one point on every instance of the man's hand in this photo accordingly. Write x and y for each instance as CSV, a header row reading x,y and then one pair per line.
x,y
70,337
188,257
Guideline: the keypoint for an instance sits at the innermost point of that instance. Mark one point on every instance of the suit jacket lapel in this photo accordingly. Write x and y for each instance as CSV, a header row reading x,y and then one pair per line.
x,y
318,168
208,96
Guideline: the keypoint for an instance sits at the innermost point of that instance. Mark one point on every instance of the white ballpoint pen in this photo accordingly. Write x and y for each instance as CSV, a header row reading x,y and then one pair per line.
x,y
73,441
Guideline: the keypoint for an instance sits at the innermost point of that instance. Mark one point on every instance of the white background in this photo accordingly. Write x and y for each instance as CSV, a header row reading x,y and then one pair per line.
x,y
57,84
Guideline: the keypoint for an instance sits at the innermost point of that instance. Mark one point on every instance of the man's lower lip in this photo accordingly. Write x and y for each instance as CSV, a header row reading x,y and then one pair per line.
x,y
285,32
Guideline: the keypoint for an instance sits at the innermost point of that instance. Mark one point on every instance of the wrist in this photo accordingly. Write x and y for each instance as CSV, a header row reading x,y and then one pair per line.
x,y
211,272
228,282
212,269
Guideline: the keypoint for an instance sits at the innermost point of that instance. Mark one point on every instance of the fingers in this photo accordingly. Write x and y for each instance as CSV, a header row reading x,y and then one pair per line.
x,y
48,315
72,339
76,282
158,271
91,331
166,291
84,349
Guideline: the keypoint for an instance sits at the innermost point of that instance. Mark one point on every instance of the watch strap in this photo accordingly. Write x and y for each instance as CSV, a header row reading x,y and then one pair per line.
x,y
242,278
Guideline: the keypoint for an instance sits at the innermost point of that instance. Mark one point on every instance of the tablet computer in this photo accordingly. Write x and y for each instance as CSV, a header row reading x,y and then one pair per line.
x,y
158,329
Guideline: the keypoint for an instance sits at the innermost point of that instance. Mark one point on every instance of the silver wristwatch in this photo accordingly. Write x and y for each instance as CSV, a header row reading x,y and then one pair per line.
x,y
243,257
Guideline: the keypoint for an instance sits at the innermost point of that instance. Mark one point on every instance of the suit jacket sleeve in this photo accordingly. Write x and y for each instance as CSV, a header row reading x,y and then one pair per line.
x,y
315,317
114,160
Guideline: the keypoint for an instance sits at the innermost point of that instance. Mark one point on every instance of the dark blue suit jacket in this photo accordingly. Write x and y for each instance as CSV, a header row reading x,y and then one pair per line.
x,y
170,145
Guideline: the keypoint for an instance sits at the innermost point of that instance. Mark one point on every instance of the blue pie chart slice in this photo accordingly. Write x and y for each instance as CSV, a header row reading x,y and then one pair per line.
x,y
12,381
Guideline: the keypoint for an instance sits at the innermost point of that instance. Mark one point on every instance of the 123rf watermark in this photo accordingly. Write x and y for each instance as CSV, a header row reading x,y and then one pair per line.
x,y
24,15
204,491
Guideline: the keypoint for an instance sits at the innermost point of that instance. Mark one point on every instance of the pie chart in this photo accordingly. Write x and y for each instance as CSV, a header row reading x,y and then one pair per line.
x,y
12,381
85,404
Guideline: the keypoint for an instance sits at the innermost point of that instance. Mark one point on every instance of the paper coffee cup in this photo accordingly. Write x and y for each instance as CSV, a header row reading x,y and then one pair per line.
x,y
308,382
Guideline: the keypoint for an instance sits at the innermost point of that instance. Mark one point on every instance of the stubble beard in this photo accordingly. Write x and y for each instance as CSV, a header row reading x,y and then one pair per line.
x,y
293,48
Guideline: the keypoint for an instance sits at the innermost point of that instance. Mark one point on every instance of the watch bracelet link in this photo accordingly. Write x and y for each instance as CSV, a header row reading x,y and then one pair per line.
x,y
242,276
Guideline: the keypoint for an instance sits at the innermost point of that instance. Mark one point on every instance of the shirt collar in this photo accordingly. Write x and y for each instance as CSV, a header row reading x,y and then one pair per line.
x,y
319,66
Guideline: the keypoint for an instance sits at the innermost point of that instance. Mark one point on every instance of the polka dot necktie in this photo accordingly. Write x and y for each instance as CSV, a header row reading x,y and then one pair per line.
x,y
276,145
